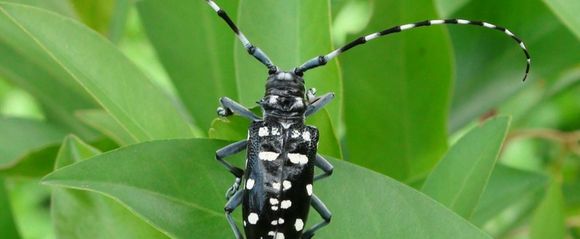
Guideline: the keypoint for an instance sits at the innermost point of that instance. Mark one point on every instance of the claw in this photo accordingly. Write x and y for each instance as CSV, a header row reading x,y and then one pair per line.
x,y
224,112
233,189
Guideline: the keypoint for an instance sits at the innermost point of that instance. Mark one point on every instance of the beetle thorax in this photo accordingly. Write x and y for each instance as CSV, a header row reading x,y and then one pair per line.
x,y
284,98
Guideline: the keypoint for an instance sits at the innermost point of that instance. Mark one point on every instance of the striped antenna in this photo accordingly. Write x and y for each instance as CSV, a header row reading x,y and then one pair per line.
x,y
254,51
322,60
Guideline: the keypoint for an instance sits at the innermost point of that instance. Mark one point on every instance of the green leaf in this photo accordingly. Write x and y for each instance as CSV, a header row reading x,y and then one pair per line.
x,y
7,225
19,137
196,48
448,7
548,220
93,63
236,128
104,123
179,189
397,93
507,186
78,214
567,11
490,65
460,178
34,164
290,33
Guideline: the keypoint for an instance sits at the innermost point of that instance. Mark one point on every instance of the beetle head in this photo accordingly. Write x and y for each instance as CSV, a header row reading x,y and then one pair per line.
x,y
284,95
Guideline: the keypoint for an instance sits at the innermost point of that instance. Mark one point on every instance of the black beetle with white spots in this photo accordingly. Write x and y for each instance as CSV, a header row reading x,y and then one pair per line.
x,y
276,187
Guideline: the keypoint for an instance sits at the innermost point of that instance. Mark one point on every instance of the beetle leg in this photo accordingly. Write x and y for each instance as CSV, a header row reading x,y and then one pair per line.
x,y
323,164
319,103
230,107
231,205
227,151
324,213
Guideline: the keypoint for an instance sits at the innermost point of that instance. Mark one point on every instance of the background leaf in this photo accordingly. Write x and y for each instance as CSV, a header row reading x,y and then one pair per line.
x,y
196,49
290,33
507,186
157,193
460,178
99,68
104,123
7,225
19,137
490,65
548,219
566,10
78,214
395,113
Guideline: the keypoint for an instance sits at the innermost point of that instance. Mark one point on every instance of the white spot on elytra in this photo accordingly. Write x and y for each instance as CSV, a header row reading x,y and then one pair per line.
x,y
274,201
271,233
275,131
250,183
253,218
263,131
268,156
299,225
306,135
274,223
286,204
245,223
279,235
276,186
309,189
298,158
274,208
280,221
295,134
286,185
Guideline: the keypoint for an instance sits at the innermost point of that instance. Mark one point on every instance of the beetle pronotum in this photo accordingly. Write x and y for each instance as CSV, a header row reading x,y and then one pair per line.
x,y
278,179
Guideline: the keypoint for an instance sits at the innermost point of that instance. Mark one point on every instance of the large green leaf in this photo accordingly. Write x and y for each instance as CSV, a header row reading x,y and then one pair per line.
x,y
397,92
196,48
7,226
507,186
26,66
19,137
91,62
179,188
79,214
461,176
490,65
548,220
290,33
104,123
567,12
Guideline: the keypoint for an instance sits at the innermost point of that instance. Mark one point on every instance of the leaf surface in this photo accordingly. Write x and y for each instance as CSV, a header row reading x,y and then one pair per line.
x,y
548,219
81,214
88,60
460,178
179,188
7,225
196,48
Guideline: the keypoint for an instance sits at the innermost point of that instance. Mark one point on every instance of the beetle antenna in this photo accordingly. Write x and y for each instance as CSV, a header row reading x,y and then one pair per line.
x,y
322,60
254,51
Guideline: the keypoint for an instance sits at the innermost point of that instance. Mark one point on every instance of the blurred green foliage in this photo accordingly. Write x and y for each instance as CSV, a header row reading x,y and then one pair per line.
x,y
132,78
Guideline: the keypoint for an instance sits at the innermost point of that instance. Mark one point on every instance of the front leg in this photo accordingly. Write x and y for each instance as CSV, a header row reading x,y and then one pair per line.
x,y
319,103
229,107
